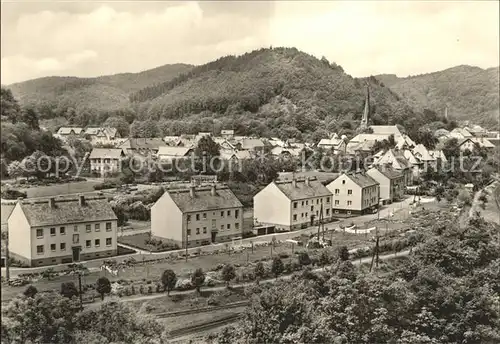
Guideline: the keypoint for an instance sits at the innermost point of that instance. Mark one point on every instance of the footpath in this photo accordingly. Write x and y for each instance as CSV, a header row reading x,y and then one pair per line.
x,y
143,255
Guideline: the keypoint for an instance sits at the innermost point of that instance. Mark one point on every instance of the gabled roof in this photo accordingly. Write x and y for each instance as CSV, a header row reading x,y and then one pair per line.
x,y
106,153
143,143
388,171
173,151
422,153
385,130
438,154
302,190
410,157
67,130
203,199
361,179
330,142
251,143
441,132
281,150
320,176
482,142
370,137
67,211
395,158
227,132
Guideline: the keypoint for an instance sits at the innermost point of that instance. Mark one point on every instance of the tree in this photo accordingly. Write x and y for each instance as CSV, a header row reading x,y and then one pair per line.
x,y
15,169
30,291
119,123
324,258
304,259
207,147
168,279
277,267
228,273
68,289
197,279
103,286
464,198
30,117
48,273
259,271
343,253
8,105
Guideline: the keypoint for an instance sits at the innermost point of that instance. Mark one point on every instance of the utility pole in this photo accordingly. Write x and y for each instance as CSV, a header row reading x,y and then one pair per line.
x,y
187,238
5,237
375,250
80,289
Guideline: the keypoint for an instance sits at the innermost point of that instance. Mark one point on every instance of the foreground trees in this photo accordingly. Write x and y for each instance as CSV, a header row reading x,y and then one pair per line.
x,y
53,318
447,292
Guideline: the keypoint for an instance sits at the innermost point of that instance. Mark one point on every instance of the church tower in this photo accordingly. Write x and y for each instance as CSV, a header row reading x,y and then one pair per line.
x,y
366,112
446,112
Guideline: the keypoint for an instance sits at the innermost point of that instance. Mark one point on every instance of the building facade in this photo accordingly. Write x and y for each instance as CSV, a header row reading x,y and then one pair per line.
x,y
392,182
354,194
197,216
292,204
105,161
50,231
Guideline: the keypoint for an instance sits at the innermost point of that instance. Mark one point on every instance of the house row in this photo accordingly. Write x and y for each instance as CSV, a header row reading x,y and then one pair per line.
x,y
62,231
96,135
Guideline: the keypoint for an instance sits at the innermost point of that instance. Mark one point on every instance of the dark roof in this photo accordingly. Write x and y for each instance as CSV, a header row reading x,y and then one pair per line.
x,y
67,210
146,143
389,171
203,199
321,176
302,190
362,179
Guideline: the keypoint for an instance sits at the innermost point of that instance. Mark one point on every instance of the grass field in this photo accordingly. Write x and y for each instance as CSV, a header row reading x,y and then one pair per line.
x,y
60,189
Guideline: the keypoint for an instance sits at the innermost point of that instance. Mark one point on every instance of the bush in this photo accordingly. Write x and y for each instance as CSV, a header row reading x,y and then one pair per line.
x,y
212,300
108,184
141,289
150,289
283,255
158,288
132,290
13,194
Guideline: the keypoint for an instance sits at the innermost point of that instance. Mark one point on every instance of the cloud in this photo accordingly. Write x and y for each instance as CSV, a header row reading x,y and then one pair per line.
x,y
366,38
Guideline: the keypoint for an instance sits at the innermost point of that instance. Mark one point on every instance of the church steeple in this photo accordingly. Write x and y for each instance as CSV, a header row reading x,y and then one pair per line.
x,y
446,112
366,112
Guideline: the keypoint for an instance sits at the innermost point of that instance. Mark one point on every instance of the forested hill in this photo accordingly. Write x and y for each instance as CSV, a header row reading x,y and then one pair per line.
x,y
471,93
276,91
103,93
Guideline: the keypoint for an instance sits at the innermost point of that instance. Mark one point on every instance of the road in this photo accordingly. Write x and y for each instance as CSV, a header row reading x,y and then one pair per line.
x,y
241,285
385,212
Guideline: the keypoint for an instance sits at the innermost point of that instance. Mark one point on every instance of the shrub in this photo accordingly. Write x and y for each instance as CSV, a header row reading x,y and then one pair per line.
x,y
30,291
283,255
128,292
304,258
150,289
158,288
13,194
141,289
212,300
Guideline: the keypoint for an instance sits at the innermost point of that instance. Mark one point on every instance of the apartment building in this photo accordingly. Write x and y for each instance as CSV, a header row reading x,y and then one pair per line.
x,y
292,204
392,182
197,215
54,231
105,160
354,194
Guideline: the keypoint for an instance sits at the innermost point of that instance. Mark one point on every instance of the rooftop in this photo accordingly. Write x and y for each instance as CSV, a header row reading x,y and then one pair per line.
x,y
106,153
389,172
203,199
302,190
67,211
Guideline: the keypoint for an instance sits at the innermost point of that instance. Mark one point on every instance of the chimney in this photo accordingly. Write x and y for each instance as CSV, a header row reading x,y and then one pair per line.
x,y
52,202
212,191
191,191
294,182
308,181
81,200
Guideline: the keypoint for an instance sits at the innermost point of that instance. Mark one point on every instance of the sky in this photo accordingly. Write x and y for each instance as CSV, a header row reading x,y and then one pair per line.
x,y
93,38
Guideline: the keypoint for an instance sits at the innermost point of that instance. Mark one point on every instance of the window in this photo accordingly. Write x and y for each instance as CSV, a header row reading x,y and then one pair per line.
x,y
295,217
97,227
87,228
327,211
317,201
53,247
336,202
312,207
108,241
204,215
328,200
39,249
75,228
52,231
316,213
76,238
62,231
349,192
349,202
205,230
337,191
236,213
97,242
237,225
307,202
221,227
302,215
349,212
197,231
189,232
343,182
302,203
229,213
228,226
197,217
221,214
294,205
108,226
88,243
336,211
306,214
189,218
63,246
39,233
